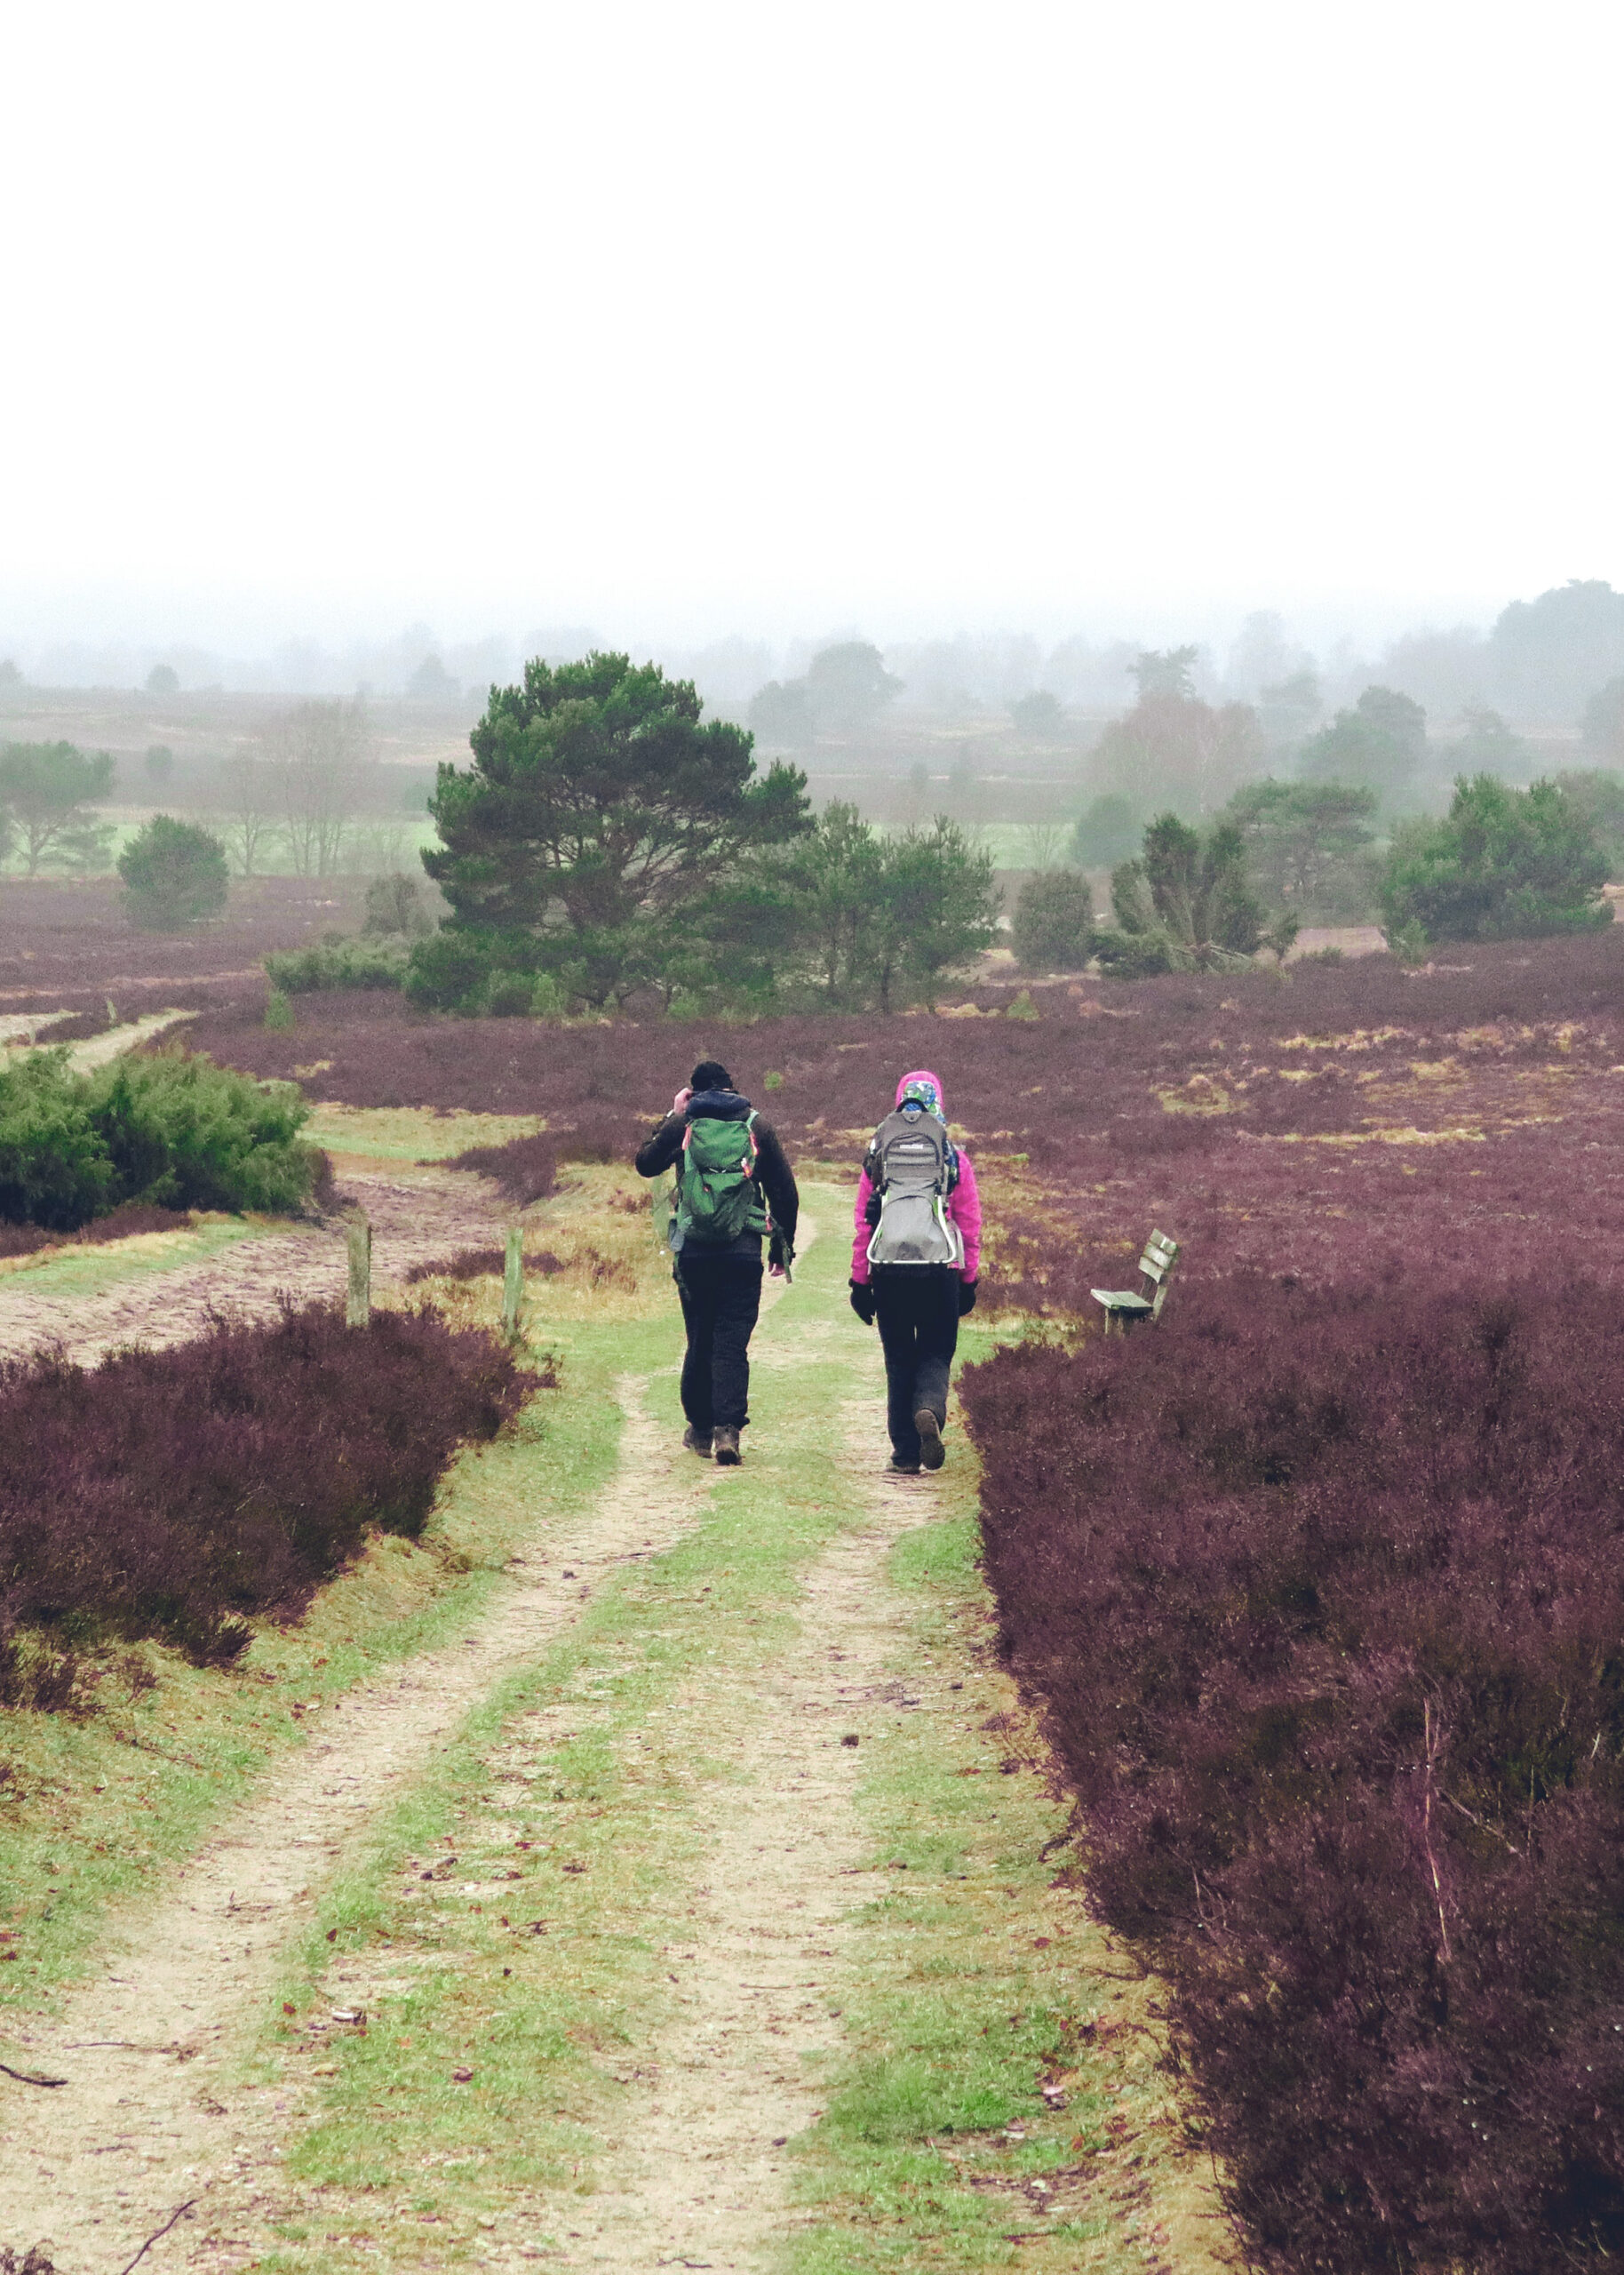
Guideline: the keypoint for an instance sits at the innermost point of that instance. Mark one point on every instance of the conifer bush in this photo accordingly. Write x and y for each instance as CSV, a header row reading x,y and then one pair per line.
x,y
170,1130
1323,1592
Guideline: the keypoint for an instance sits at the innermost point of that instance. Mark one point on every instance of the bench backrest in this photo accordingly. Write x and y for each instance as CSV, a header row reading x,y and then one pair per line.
x,y
1160,1255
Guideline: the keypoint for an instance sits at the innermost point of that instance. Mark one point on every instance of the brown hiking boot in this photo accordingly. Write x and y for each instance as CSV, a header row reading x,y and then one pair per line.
x,y
932,1452
697,1441
726,1443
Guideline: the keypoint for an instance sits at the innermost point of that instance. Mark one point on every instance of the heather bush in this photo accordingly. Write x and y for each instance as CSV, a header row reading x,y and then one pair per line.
x,y
1321,1590
179,1493
526,1168
170,1130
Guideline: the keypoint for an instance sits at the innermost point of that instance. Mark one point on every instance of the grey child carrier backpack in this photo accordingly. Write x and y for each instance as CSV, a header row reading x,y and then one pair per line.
x,y
911,1162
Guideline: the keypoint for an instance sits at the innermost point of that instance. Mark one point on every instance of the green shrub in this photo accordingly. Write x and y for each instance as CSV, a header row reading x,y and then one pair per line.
x,y
338,963
173,1130
174,874
278,1012
187,1134
1054,921
1139,956
451,971
54,1169
1502,865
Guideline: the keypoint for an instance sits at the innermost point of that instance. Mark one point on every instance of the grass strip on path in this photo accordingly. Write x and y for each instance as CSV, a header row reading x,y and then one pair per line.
x,y
511,1931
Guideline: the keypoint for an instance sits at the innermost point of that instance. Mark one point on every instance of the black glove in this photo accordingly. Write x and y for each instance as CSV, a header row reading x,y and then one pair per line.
x,y
967,1296
862,1301
780,1255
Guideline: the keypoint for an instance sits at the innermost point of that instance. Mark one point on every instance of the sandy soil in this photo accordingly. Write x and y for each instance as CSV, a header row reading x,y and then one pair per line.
x,y
701,2178
419,1216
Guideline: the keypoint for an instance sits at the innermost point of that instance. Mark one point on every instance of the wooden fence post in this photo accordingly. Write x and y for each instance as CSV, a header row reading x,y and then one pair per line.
x,y
358,1310
512,1282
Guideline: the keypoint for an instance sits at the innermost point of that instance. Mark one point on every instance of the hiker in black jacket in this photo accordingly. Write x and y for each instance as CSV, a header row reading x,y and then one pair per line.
x,y
728,1196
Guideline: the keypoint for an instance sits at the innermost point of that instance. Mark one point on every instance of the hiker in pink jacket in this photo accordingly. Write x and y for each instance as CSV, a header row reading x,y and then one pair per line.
x,y
915,1261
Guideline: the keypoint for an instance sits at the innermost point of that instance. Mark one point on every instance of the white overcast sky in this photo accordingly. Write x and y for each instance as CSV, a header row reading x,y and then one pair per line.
x,y
771,318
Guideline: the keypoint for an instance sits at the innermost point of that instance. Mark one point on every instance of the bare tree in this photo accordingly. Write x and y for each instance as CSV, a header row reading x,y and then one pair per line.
x,y
1048,843
323,764
247,806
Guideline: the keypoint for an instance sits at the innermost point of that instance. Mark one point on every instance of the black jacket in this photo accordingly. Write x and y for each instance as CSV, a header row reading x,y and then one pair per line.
x,y
663,1148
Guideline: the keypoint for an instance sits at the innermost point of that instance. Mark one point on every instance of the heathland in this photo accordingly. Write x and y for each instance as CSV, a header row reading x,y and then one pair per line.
x,y
1291,1626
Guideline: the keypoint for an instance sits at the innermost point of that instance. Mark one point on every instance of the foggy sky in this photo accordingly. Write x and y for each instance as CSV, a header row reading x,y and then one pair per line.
x,y
321,320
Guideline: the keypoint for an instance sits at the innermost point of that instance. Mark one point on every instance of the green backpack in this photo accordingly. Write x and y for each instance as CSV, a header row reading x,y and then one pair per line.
x,y
717,1196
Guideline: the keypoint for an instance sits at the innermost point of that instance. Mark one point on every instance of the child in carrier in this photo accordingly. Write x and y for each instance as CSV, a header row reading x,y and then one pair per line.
x,y
915,1262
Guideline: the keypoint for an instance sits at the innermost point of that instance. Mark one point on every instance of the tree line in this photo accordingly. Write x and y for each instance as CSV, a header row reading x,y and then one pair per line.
x,y
607,841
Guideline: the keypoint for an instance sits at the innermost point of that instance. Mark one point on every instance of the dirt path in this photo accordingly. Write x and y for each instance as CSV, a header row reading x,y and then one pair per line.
x,y
419,1216
701,2179
99,2165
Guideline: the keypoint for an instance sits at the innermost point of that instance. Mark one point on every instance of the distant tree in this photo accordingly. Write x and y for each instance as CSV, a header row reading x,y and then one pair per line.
x,y
1489,746
1380,746
1604,724
849,686
1502,865
1177,748
844,690
1598,794
597,814
85,849
324,769
840,871
1039,715
1288,708
1165,670
163,679
1447,673
1548,654
9,675
941,906
1107,832
174,874
1308,845
431,683
1045,845
45,788
395,907
160,762
1054,921
248,803
1262,653
1186,904
781,712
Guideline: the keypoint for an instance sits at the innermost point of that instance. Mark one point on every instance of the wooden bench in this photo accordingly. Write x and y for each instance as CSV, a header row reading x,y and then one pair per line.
x,y
1125,1308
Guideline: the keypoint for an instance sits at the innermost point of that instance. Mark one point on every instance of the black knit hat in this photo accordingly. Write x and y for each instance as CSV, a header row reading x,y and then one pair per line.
x,y
709,1075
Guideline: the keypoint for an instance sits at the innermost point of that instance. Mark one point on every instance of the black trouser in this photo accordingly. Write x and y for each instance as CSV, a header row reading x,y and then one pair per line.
x,y
916,1309
721,1296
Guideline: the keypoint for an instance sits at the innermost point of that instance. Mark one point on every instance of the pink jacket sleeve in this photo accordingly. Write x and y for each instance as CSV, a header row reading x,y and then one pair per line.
x,y
863,1231
964,1207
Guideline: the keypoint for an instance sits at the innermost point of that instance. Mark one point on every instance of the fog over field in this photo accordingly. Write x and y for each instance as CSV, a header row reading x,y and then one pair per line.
x,y
722,339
